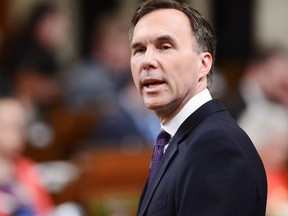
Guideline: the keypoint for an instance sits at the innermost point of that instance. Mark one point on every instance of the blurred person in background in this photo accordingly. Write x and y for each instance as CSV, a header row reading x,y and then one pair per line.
x,y
265,81
32,65
268,129
21,189
104,71
102,82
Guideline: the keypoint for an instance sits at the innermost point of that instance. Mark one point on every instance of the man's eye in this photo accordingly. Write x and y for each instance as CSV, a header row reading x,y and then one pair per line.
x,y
165,46
139,50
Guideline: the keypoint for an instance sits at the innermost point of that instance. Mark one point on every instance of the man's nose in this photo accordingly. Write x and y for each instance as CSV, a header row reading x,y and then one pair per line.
x,y
149,60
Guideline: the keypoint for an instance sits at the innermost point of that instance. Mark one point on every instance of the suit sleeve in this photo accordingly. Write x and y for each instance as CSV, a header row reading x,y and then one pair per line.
x,y
216,179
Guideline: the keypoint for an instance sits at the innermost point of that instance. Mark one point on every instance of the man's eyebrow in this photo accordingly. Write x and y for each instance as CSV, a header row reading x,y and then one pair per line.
x,y
167,38
135,45
162,38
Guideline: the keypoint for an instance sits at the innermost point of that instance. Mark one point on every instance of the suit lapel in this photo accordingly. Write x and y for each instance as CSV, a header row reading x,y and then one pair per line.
x,y
189,124
171,150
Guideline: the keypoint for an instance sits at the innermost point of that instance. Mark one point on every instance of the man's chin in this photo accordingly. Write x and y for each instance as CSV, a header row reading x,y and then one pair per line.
x,y
155,106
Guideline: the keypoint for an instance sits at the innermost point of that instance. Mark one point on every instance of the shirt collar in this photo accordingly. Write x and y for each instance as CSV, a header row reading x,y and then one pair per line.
x,y
191,106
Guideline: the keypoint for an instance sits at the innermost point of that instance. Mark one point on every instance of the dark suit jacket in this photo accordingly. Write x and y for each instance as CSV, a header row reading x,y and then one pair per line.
x,y
210,168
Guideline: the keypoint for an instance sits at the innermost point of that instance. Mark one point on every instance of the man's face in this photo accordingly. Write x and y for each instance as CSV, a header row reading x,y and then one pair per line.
x,y
166,68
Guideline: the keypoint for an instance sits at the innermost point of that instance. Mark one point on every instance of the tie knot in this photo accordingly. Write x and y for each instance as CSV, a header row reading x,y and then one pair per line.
x,y
162,138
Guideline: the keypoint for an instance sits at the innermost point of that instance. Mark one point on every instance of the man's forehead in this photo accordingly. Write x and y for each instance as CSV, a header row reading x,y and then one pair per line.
x,y
165,13
162,22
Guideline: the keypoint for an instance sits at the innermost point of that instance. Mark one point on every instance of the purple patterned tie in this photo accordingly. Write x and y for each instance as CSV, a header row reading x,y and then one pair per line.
x,y
161,140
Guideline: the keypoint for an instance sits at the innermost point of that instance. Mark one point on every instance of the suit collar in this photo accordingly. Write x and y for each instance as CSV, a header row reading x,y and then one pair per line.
x,y
189,124
198,116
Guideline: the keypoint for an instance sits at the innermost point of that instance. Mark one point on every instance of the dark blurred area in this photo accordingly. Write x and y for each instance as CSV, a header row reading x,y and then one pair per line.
x,y
89,133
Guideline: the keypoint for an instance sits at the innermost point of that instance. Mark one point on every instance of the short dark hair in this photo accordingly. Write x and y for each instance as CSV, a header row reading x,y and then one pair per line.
x,y
202,30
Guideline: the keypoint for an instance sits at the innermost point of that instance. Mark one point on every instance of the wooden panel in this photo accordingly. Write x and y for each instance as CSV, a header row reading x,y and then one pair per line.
x,y
109,176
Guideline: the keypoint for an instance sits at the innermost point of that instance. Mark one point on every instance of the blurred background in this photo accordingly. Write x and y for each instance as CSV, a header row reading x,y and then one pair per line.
x,y
67,95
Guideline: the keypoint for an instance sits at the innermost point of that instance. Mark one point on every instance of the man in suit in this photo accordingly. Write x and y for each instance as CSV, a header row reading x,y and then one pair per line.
x,y
209,167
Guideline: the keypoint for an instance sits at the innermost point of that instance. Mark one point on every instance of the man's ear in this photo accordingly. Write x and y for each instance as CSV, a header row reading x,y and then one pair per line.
x,y
206,63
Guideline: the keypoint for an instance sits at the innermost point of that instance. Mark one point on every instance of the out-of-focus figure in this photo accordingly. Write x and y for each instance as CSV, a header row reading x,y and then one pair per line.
x,y
264,80
96,78
267,126
32,66
21,190
101,82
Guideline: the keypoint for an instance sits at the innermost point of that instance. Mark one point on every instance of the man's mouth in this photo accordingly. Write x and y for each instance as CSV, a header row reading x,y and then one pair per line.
x,y
151,83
